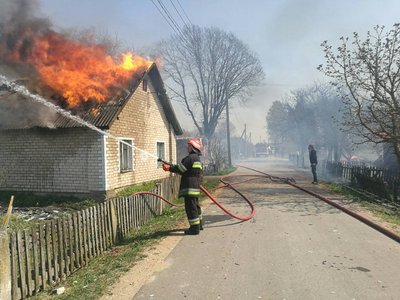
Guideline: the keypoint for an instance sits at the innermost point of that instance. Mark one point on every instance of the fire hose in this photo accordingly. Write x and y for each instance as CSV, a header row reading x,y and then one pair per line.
x,y
355,215
208,194
289,181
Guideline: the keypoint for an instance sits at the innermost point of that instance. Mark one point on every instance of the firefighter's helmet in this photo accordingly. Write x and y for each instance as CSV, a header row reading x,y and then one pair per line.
x,y
196,143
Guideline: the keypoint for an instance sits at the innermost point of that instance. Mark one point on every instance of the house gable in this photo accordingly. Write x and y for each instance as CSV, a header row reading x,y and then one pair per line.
x,y
143,119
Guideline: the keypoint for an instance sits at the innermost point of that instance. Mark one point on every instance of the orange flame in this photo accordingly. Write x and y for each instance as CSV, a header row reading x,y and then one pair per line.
x,y
80,72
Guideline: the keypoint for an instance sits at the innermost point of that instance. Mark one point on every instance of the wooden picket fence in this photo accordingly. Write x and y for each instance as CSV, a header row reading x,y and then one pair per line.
x,y
347,171
46,254
387,180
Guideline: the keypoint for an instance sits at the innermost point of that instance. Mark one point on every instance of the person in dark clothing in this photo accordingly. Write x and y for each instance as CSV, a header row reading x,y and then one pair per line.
x,y
191,170
313,162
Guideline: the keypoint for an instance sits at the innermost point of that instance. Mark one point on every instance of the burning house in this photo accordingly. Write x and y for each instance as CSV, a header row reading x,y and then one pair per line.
x,y
43,150
54,154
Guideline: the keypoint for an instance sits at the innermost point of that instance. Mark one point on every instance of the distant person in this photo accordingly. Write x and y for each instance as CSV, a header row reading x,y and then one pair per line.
x,y
313,162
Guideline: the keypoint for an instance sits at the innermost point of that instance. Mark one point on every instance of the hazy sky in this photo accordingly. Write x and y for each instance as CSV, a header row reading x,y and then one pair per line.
x,y
286,35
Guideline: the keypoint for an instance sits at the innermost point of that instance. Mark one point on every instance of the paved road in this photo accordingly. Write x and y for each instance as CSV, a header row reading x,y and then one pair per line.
x,y
296,247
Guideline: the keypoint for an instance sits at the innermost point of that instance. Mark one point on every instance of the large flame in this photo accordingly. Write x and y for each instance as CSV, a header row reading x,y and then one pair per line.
x,y
77,71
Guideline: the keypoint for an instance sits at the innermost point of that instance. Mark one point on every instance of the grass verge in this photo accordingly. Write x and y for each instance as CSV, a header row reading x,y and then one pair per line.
x,y
147,186
25,199
223,172
92,281
379,211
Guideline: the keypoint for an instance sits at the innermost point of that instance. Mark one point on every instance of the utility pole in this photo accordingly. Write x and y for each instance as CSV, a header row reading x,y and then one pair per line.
x,y
228,135
245,141
250,143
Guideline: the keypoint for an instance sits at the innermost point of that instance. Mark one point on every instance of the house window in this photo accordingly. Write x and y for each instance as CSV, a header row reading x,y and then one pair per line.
x,y
125,154
144,85
160,153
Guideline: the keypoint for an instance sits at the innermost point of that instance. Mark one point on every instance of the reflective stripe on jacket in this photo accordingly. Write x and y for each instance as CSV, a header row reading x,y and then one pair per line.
x,y
190,168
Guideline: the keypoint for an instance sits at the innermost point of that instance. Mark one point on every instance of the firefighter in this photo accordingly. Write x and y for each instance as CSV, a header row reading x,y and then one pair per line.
x,y
191,170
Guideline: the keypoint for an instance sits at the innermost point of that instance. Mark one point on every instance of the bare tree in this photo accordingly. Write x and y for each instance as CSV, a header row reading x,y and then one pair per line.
x,y
277,122
328,109
207,68
302,125
367,75
217,154
309,115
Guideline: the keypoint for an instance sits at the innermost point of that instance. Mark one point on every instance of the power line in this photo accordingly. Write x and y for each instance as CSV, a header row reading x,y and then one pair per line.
x,y
179,14
184,12
169,19
161,13
169,15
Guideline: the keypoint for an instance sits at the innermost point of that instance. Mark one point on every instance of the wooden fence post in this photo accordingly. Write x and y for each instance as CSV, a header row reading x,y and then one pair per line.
x,y
114,221
5,267
159,192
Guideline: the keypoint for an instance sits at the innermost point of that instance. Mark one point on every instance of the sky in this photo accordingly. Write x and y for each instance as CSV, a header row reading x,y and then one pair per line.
x,y
285,34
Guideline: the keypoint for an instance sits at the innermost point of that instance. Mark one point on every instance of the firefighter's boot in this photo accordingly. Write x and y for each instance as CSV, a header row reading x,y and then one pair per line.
x,y
193,230
201,225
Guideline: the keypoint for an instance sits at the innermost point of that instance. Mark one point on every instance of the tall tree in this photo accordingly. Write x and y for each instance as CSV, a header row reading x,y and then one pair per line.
x,y
328,112
366,72
277,122
208,67
302,124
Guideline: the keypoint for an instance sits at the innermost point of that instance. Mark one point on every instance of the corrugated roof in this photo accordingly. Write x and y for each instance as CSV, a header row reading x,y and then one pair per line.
x,y
100,115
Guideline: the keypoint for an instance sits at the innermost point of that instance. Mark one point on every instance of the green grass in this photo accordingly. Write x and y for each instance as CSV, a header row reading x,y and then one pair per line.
x,y
24,199
210,183
223,171
92,281
17,221
143,187
382,212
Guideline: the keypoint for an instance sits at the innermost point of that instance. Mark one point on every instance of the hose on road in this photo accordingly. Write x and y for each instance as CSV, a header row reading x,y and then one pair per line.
x,y
290,181
359,217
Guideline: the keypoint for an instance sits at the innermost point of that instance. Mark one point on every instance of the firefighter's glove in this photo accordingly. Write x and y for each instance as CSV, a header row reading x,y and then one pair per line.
x,y
166,167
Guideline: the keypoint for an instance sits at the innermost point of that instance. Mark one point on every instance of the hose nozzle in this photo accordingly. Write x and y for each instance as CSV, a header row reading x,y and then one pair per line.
x,y
163,161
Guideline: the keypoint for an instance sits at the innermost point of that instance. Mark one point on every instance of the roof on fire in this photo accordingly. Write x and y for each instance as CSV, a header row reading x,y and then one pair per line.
x,y
101,115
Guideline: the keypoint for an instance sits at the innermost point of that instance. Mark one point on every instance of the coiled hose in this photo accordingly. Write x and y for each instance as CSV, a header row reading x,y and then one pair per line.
x,y
225,184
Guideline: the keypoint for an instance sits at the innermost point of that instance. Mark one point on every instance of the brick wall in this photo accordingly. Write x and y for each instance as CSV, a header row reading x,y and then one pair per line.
x,y
52,160
142,120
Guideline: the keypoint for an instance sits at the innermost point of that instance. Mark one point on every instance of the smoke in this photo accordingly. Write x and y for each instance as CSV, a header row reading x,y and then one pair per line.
x,y
17,112
17,11
18,27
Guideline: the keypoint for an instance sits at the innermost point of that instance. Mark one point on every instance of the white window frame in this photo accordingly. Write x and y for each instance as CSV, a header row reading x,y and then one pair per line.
x,y
120,170
159,164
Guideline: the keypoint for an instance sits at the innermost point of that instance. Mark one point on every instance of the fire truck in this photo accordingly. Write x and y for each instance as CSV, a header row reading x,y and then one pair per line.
x,y
262,150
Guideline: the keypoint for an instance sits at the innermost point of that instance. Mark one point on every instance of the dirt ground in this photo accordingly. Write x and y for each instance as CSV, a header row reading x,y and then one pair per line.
x,y
130,283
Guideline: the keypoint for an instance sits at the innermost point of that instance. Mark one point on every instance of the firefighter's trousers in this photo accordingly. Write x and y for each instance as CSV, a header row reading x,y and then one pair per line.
x,y
193,210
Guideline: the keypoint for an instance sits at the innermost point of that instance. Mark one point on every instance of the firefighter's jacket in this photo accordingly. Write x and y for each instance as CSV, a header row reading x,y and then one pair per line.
x,y
191,170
